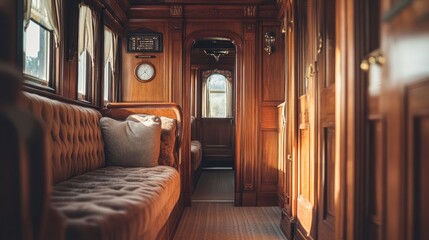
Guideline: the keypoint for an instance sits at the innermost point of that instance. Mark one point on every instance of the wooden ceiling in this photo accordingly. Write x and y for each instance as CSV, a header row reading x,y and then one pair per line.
x,y
200,2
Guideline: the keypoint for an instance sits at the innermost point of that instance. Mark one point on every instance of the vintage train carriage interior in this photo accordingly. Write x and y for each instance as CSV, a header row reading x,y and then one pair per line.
x,y
205,119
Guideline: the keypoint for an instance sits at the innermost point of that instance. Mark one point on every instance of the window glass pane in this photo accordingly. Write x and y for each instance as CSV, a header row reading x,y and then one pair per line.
x,y
107,82
217,82
81,84
37,52
217,97
217,104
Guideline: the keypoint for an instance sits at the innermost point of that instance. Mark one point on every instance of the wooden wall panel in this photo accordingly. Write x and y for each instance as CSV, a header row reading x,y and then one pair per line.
x,y
156,90
328,178
249,140
271,88
374,178
269,166
418,160
421,211
176,61
268,118
273,73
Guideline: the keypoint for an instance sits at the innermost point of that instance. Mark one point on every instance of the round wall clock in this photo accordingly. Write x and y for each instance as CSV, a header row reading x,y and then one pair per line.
x,y
145,71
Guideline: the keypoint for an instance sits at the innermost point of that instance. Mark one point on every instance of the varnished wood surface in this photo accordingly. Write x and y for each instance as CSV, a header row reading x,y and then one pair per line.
x,y
217,138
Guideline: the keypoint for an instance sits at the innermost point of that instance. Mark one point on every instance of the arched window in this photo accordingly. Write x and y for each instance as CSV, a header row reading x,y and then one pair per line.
x,y
217,97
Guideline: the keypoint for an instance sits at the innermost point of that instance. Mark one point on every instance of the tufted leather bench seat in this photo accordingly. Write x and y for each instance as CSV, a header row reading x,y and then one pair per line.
x,y
98,201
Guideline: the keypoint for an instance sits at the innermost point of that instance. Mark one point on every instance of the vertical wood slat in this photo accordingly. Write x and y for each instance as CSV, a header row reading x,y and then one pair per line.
x,y
418,160
249,101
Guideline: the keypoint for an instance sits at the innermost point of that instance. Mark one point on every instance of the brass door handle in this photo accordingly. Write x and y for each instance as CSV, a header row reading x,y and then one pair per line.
x,y
375,57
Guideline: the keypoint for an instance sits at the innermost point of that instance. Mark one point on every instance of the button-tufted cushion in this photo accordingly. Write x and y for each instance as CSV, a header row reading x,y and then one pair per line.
x,y
73,136
118,203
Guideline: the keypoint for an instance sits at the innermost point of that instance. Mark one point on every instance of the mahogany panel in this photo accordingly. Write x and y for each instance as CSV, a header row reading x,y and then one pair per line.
x,y
156,90
374,179
217,138
304,162
287,224
273,72
328,207
418,159
149,12
326,107
117,9
267,12
421,178
215,11
214,28
249,125
268,118
176,61
211,2
269,162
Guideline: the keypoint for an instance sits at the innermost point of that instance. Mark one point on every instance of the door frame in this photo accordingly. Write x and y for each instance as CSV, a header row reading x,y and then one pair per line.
x,y
238,113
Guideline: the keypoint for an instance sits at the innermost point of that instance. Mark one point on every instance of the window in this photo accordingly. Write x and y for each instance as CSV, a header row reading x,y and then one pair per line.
x,y
84,75
217,97
41,35
108,79
86,51
37,52
110,49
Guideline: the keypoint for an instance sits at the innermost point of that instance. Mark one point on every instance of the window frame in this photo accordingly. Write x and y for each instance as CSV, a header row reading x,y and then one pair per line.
x,y
33,81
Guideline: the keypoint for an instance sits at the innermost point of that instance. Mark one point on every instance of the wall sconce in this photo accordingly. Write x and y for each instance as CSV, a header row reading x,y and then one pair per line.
x,y
270,39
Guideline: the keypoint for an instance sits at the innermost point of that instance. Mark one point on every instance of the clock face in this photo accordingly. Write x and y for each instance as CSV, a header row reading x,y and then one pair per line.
x,y
145,71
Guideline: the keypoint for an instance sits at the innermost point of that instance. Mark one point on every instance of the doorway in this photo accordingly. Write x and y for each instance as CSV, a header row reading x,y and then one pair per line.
x,y
212,119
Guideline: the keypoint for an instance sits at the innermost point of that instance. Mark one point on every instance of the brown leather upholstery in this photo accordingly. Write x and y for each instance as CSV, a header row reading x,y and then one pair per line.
x,y
94,201
118,203
74,136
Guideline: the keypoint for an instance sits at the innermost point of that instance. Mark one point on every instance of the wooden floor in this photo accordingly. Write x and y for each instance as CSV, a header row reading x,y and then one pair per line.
x,y
213,215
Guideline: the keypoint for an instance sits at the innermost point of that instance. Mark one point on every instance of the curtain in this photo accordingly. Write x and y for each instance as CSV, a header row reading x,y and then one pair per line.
x,y
46,13
110,47
87,31
229,97
204,99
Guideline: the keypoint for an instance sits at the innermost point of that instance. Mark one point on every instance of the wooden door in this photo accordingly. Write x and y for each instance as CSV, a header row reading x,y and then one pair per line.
x,y
326,120
218,142
405,103
372,168
287,119
217,121
306,120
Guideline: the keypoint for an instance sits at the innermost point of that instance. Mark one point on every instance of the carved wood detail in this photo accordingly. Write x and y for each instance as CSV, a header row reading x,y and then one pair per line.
x,y
250,11
176,10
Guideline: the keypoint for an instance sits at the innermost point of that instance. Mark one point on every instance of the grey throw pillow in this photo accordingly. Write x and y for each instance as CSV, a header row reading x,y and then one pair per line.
x,y
130,143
